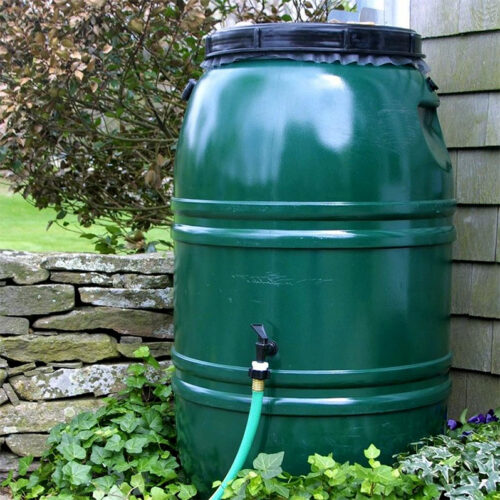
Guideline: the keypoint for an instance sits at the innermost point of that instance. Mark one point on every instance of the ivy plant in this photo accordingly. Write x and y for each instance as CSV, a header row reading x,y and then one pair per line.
x,y
465,464
125,450
462,465
328,479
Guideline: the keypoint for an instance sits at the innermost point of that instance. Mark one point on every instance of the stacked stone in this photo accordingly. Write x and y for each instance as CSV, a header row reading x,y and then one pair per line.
x,y
69,324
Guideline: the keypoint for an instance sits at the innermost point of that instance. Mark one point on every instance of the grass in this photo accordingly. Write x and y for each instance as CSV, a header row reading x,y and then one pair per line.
x,y
23,227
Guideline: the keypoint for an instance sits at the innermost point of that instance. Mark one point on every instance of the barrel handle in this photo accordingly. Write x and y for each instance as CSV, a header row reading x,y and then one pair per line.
x,y
430,99
188,90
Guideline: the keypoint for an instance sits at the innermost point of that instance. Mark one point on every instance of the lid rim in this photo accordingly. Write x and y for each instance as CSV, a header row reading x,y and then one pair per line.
x,y
315,49
314,37
328,25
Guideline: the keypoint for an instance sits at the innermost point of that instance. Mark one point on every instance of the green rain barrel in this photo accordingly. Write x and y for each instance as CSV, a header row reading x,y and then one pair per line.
x,y
313,194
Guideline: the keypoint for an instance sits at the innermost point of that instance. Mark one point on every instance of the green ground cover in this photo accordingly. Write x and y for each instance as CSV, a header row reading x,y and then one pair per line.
x,y
127,450
23,227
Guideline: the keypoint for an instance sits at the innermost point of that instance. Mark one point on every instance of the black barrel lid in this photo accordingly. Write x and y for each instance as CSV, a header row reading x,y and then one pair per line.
x,y
259,40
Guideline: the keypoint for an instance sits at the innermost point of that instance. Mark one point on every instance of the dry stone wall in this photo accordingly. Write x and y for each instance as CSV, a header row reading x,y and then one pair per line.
x,y
69,324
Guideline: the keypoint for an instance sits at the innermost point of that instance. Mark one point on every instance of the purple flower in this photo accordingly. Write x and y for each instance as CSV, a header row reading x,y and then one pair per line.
x,y
452,424
477,419
491,417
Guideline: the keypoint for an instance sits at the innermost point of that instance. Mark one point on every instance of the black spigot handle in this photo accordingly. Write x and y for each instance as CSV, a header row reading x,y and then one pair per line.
x,y
260,331
264,347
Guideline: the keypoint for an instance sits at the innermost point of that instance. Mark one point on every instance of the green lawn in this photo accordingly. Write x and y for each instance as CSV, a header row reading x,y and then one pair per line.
x,y
23,227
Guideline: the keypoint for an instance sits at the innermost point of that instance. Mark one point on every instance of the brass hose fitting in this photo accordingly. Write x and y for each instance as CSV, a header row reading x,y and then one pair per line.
x,y
257,385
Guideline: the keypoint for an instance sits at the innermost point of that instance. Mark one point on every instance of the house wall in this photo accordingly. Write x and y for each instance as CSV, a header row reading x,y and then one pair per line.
x,y
462,44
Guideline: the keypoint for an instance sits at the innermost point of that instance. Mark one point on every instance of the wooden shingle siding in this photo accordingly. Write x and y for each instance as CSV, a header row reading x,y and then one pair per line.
x,y
477,176
461,290
455,66
470,120
497,258
478,15
458,400
493,128
471,341
495,349
476,290
437,18
481,391
476,234
462,44
485,291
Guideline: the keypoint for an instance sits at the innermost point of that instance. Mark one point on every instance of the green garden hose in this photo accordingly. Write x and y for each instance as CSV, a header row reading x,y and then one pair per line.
x,y
248,437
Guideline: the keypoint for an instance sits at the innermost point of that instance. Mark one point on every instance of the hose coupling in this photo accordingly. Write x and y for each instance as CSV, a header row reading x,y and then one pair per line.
x,y
259,370
257,385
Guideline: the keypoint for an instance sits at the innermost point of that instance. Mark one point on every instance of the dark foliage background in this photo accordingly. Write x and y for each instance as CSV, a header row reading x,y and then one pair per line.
x,y
90,105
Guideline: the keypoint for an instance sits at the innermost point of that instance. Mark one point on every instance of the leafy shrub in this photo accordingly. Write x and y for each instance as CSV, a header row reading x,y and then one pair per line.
x,y
90,101
125,450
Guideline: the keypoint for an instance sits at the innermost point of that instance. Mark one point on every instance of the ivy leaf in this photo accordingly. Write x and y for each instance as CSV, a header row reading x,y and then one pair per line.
x,y
57,475
127,423
99,454
125,488
153,420
36,491
372,452
55,433
8,479
158,494
17,487
77,474
118,463
320,462
142,352
186,491
144,463
254,486
84,421
164,469
84,435
366,487
137,481
269,465
136,369
151,361
114,443
115,494
104,483
70,448
136,382
24,464
278,488
136,444
163,391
